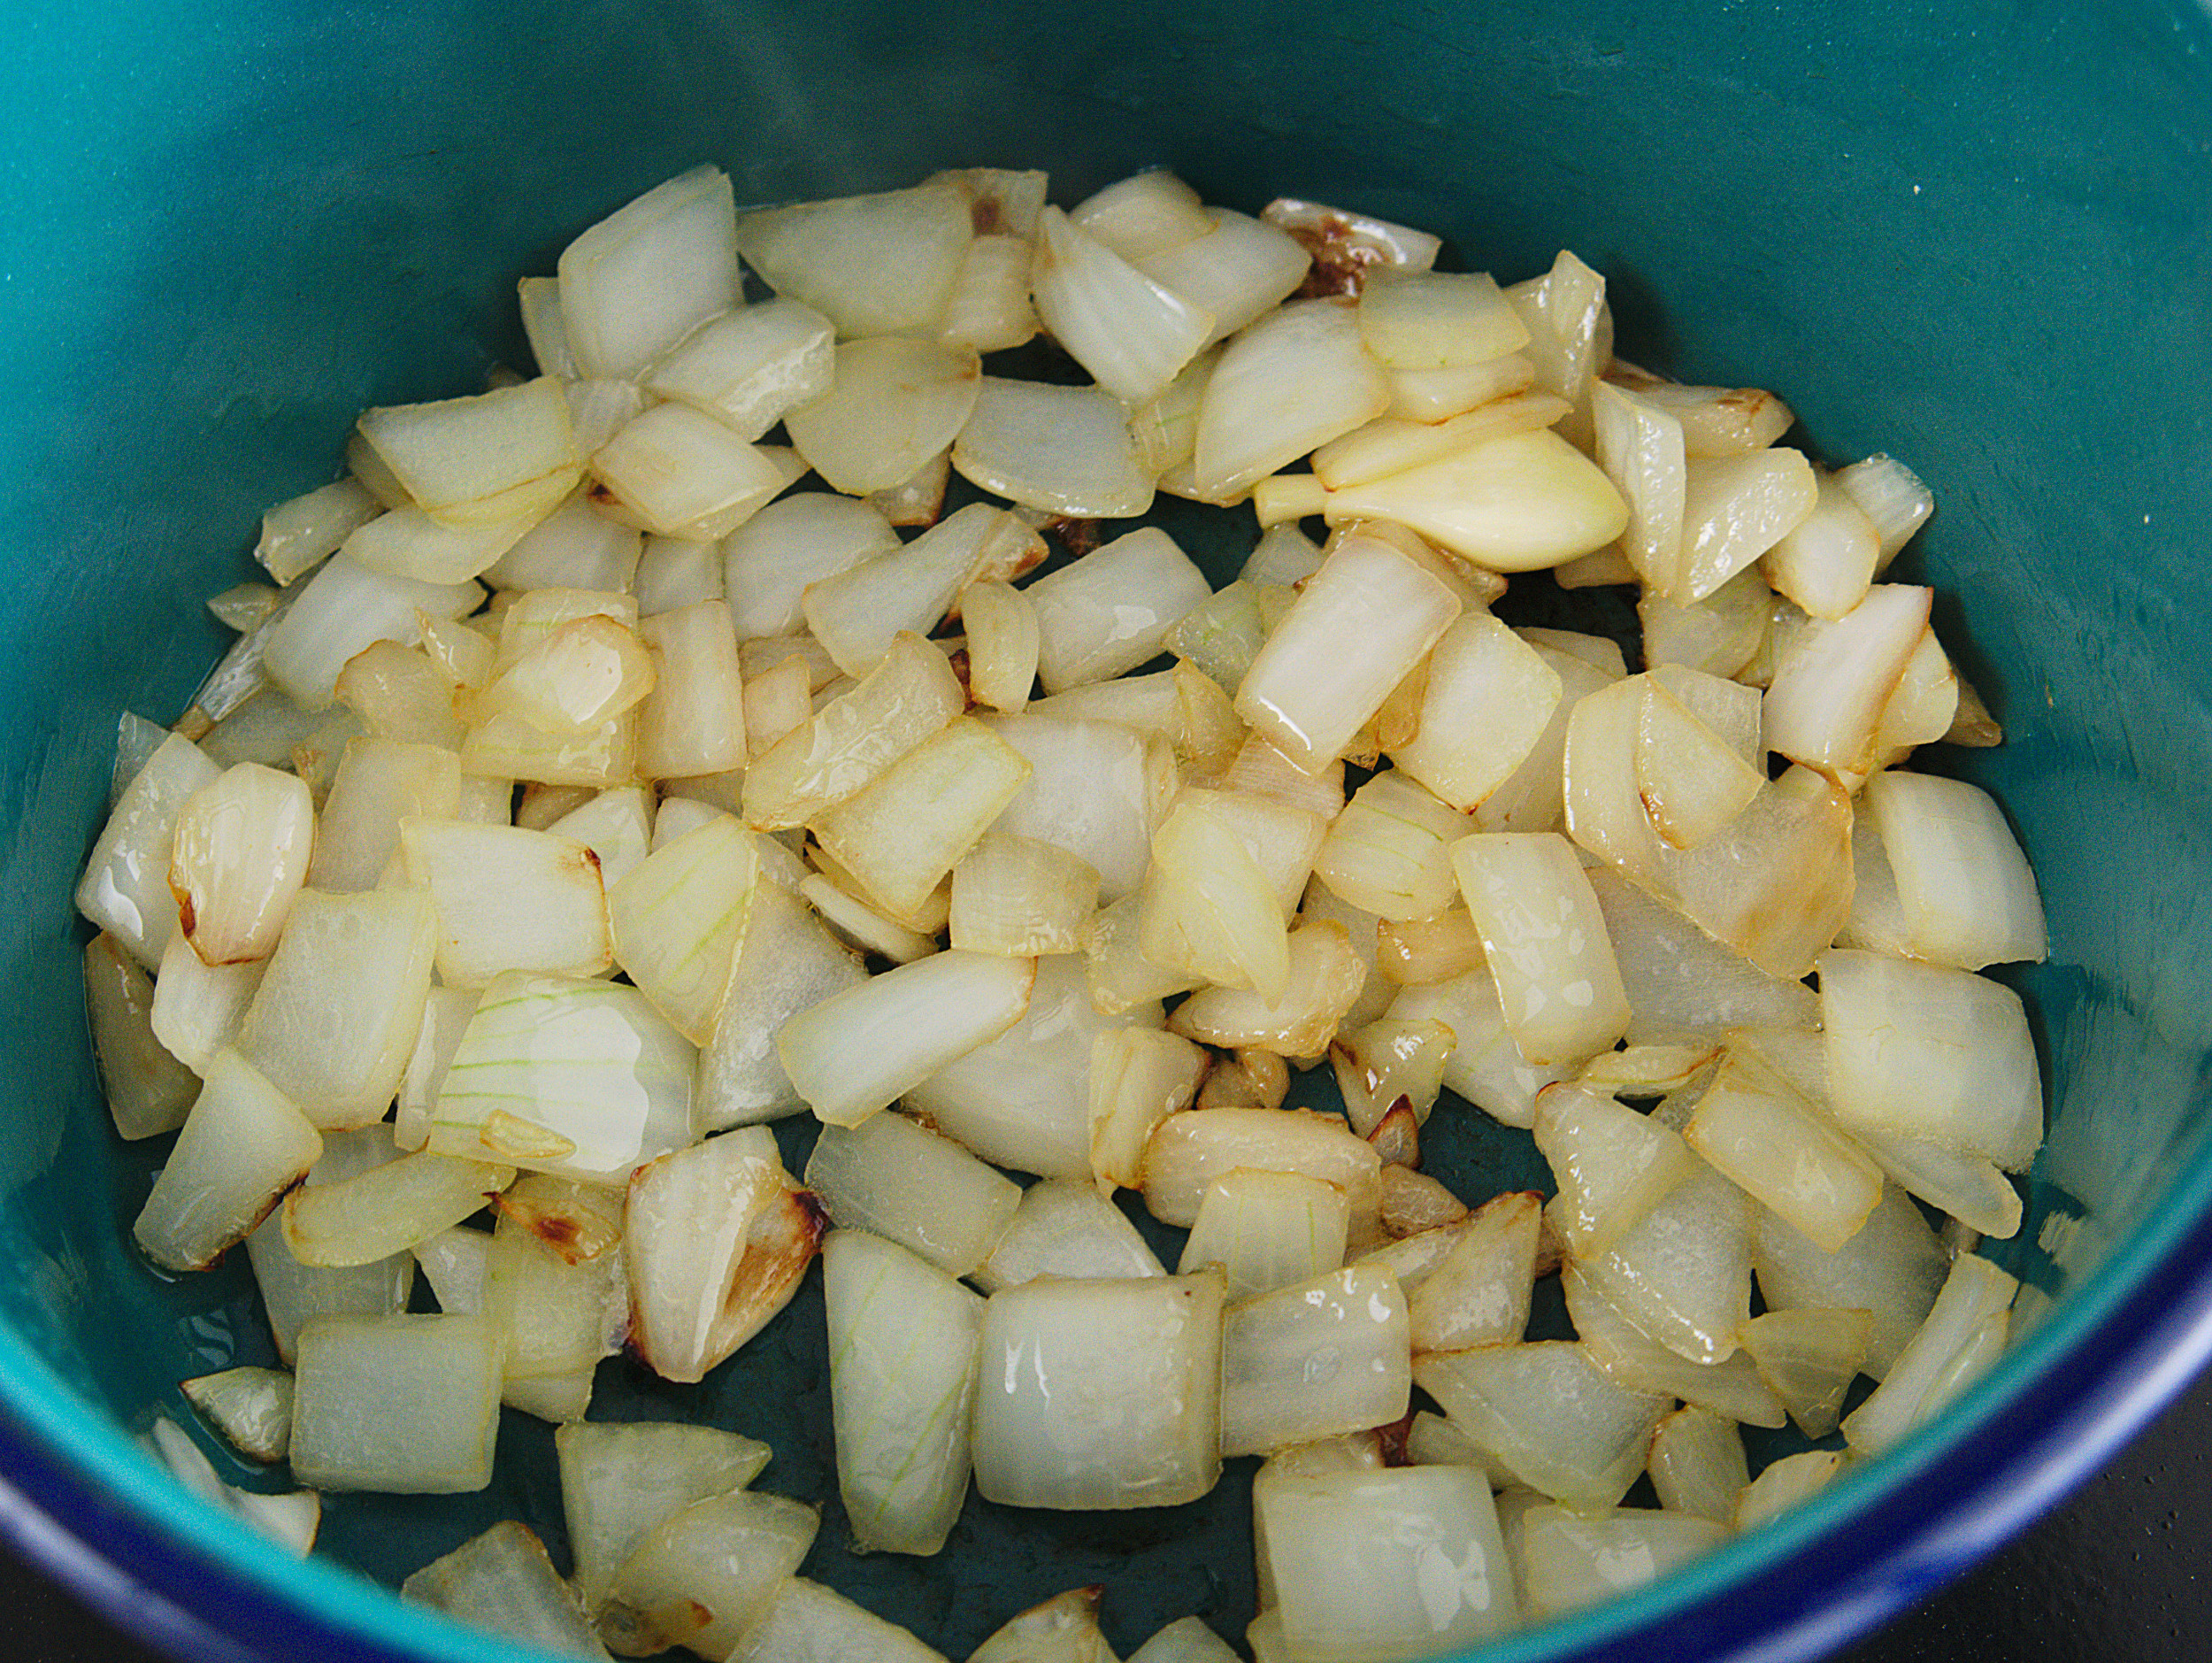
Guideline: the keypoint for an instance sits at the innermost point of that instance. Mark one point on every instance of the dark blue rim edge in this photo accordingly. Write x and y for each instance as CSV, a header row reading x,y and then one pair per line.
x,y
85,1504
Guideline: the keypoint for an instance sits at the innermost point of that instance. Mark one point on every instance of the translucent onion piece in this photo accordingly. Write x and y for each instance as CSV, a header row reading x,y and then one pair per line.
x,y
1697,1463
1959,1343
1810,1355
805,1623
1965,895
910,694
642,278
1143,214
1479,1293
573,680
1067,450
502,1581
749,367
1732,1388
784,962
1613,1164
1680,982
197,1008
1393,444
680,473
1236,270
1693,781
702,1577
1086,794
1826,562
1759,1131
1345,245
250,1407
771,558
1488,700
1437,396
903,1378
1681,1273
1715,420
379,783
477,461
1436,320
893,404
243,1144
1191,1151
343,608
1294,380
125,889
1831,686
1485,1066
620,1480
1131,334
1268,1230
508,900
1640,447
1111,611
1020,896
1734,509
903,834
1892,495
1062,1629
1065,1228
388,1209
693,721
858,1051
1893,1267
873,265
1544,938
686,1222
858,614
901,1183
582,1078
1208,907
334,1019
298,535
1314,1359
1359,625
1388,852
1929,1053
1100,1394
1323,980
1784,1484
1547,1412
408,1404
149,1091
1186,1639
1572,1559
1382,1565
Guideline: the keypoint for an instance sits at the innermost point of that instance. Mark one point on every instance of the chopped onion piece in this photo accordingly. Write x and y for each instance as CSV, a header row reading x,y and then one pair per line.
x,y
125,889
1111,611
508,900
1697,1463
1755,1128
620,1480
1437,321
702,1577
1487,702
1485,1066
408,1404
1236,270
1732,1388
1829,688
343,608
1573,1557
600,1082
149,1090
1546,941
1324,978
1810,1355
495,457
858,1051
906,1184
1100,1394
1479,1293
1066,1228
1958,1344
250,1407
197,1010
1571,334
1345,246
1437,396
1734,509
750,366
893,404
1893,1267
1717,421
1313,1359
680,473
1389,851
388,1209
1613,1164
1020,896
874,265
1360,624
1293,380
1965,895
1268,1230
901,836
1186,1639
1920,1051
645,276
1062,1629
503,1582
1892,495
1131,334
1065,449
1143,214
1681,1273
782,962
1546,1410
910,694
858,614
1190,1150
244,1142
692,720
686,1224
298,535
903,1377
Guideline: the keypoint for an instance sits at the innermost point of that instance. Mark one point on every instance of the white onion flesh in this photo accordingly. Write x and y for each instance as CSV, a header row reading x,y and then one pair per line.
x,y
1112,610
404,1403
1893,1267
893,404
909,695
1315,1359
642,278
1572,1558
905,1184
702,1577
1065,1228
1098,1395
1130,332
858,614
1547,1412
1268,1230
620,1480
1067,450
1697,1463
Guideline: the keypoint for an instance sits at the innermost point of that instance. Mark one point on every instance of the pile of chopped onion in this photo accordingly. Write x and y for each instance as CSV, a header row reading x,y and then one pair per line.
x,y
582,795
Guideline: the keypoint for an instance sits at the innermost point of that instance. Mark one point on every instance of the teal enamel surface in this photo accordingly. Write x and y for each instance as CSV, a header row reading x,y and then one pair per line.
x,y
1972,235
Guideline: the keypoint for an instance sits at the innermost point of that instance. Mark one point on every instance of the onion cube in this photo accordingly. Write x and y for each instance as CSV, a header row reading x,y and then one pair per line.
x,y
1100,1394
404,1403
1314,1359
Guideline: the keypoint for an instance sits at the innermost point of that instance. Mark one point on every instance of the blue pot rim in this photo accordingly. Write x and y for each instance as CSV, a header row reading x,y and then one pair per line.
x,y
100,1516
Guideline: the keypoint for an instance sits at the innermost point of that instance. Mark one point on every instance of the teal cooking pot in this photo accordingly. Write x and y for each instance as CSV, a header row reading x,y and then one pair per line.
x,y
1973,234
